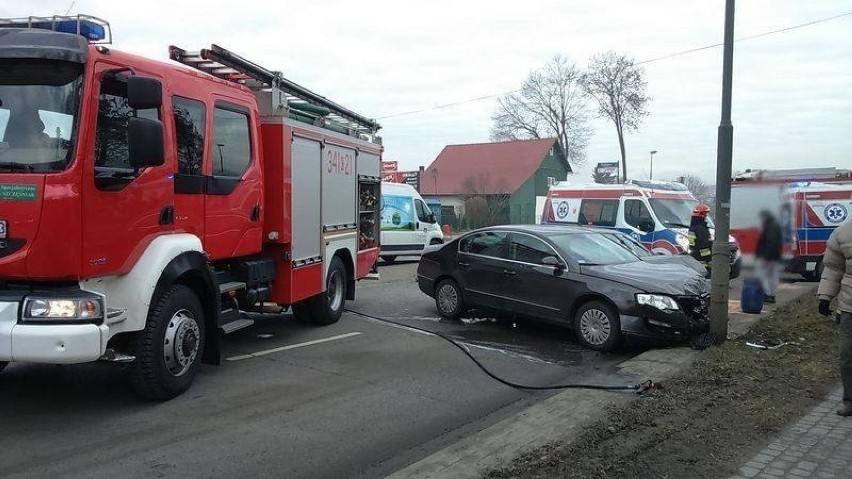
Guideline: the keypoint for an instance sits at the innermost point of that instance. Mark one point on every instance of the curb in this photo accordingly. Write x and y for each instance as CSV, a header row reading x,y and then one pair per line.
x,y
563,416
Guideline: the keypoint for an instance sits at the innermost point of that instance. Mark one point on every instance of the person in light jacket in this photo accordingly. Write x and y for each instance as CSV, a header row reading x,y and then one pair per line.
x,y
836,282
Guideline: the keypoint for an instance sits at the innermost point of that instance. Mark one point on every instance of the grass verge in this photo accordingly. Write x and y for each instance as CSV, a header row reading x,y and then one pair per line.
x,y
713,417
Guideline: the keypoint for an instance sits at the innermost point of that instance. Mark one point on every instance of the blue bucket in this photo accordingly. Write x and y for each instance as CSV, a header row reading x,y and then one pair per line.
x,y
751,300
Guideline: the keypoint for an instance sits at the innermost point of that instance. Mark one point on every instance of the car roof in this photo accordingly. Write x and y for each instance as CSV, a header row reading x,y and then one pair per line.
x,y
544,229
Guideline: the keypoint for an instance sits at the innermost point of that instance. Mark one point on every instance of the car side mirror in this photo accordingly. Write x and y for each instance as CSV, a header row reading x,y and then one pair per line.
x,y
552,261
432,218
145,142
144,93
646,226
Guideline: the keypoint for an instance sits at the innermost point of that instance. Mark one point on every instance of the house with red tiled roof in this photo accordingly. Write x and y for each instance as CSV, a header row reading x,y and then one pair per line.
x,y
509,173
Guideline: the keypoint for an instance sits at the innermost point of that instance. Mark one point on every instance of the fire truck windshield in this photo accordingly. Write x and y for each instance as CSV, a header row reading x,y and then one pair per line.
x,y
39,104
675,212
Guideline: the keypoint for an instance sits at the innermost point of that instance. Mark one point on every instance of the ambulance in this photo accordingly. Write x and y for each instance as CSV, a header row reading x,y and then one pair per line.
x,y
808,212
656,213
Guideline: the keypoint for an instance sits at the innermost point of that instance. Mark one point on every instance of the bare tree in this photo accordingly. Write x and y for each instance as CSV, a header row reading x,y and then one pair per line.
x,y
619,87
698,187
550,103
486,200
604,177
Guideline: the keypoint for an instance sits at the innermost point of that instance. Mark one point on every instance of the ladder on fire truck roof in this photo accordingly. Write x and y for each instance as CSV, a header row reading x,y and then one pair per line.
x,y
227,65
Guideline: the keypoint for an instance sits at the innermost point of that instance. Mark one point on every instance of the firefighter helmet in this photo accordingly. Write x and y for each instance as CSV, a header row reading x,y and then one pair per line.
x,y
701,210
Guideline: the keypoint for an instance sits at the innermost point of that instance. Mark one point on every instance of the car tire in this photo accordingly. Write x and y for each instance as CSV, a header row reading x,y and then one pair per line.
x,y
449,299
597,326
327,307
389,259
170,348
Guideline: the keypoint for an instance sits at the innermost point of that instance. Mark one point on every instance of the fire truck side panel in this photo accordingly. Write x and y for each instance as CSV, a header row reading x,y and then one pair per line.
x,y
307,201
234,203
277,149
369,164
339,179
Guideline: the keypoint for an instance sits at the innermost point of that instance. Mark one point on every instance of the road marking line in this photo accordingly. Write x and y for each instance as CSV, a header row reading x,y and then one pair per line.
x,y
293,346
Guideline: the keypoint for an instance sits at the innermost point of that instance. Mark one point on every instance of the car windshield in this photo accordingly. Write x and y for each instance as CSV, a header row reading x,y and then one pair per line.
x,y
593,248
39,102
626,241
675,212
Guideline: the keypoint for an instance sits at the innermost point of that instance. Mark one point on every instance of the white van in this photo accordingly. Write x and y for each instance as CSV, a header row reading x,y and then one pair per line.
x,y
408,225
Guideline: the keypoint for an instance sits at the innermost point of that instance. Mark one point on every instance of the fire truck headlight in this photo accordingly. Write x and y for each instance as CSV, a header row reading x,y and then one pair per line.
x,y
83,309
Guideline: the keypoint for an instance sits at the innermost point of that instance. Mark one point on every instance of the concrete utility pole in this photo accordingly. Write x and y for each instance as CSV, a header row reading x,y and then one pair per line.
x,y
724,152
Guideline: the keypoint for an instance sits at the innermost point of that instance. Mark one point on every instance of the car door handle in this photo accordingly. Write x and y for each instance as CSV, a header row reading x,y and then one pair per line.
x,y
463,265
508,272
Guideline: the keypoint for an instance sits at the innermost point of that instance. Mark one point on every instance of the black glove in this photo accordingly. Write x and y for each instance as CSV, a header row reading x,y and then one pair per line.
x,y
825,307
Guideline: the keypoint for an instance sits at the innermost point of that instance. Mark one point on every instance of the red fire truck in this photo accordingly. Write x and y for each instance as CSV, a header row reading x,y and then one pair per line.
x,y
147,207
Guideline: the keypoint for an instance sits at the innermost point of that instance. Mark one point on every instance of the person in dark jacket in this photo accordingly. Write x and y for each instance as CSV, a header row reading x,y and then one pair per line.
x,y
770,246
700,244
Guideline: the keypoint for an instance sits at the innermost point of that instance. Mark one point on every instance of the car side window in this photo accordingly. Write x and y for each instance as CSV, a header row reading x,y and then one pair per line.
x,y
598,212
422,211
636,213
528,249
487,243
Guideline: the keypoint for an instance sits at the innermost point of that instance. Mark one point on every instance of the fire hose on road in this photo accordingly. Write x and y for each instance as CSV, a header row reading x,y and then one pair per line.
x,y
638,388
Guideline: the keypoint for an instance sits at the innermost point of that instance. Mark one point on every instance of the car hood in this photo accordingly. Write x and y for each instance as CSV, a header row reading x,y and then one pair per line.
x,y
681,259
673,278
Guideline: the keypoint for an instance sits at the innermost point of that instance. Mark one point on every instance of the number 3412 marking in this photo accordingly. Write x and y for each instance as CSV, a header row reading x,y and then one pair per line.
x,y
339,163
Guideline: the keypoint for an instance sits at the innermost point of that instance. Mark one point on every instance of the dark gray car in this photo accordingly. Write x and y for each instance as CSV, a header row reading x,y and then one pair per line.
x,y
575,276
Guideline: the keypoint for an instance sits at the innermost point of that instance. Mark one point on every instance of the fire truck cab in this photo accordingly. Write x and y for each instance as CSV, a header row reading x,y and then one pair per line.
x,y
146,207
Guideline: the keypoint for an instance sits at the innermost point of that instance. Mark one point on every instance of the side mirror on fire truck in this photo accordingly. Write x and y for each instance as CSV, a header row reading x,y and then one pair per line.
x,y
145,142
144,93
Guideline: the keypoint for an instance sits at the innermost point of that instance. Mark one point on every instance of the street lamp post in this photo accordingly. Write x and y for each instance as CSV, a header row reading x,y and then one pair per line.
x,y
653,152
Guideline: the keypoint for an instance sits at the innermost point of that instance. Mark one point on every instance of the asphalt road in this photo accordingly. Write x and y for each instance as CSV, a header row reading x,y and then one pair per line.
x,y
356,398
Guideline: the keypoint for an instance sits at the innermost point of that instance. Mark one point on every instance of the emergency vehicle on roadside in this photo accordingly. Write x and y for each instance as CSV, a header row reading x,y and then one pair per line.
x,y
656,213
145,206
808,212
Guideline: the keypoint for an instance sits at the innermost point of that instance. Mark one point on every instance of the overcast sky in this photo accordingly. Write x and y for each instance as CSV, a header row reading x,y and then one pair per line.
x,y
792,91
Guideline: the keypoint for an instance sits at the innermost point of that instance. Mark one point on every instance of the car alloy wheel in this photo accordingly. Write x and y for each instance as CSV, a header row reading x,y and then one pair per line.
x,y
595,327
448,298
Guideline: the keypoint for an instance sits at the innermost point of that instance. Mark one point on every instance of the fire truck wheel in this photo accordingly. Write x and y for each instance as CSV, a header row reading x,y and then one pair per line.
x,y
302,312
326,308
170,347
